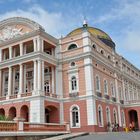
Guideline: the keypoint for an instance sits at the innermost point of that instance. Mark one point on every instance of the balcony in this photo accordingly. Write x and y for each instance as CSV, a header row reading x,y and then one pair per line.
x,y
113,99
51,95
122,101
98,93
106,97
74,94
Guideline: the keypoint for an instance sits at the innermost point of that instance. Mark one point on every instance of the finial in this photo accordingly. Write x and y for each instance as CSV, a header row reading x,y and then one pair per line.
x,y
85,24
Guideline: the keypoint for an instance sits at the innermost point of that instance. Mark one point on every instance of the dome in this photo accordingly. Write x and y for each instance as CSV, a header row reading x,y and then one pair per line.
x,y
104,37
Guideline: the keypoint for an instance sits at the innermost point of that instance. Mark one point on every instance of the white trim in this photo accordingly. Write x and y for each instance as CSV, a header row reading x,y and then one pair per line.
x,y
102,120
71,43
99,90
105,93
115,111
107,107
71,121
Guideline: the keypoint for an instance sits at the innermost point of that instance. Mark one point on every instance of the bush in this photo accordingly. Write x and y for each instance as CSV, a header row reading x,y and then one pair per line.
x,y
4,118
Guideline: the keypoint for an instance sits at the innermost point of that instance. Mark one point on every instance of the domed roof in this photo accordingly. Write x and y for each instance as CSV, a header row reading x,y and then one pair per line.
x,y
104,37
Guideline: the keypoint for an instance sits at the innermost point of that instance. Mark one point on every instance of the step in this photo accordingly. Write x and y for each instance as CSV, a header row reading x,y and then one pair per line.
x,y
67,136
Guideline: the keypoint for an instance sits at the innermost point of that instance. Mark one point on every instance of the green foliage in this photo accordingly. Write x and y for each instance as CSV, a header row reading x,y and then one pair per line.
x,y
4,118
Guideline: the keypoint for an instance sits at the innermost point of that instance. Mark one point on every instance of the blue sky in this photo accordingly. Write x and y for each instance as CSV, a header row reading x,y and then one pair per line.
x,y
120,19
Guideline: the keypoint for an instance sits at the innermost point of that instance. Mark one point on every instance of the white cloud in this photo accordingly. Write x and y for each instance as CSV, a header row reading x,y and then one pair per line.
x,y
124,9
127,12
52,22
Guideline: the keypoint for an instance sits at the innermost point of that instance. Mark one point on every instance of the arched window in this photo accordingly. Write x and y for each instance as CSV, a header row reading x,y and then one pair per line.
x,y
75,116
94,46
100,116
102,52
72,64
115,116
112,90
47,87
126,95
108,119
72,46
105,87
97,83
120,93
73,83
109,57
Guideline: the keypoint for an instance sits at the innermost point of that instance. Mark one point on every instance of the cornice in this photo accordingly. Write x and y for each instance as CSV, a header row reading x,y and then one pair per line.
x,y
27,58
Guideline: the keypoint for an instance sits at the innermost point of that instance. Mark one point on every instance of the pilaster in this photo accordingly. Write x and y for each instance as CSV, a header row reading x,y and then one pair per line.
x,y
37,110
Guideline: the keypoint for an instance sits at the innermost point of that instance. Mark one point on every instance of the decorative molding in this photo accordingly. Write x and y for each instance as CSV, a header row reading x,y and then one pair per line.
x,y
9,32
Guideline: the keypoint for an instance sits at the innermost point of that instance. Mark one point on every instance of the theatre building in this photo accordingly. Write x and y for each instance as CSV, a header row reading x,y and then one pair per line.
x,y
79,79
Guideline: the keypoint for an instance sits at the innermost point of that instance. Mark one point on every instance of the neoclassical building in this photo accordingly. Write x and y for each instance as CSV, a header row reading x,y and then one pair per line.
x,y
79,78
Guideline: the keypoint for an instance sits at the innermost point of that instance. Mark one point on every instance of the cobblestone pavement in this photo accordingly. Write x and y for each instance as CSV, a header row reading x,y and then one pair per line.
x,y
111,136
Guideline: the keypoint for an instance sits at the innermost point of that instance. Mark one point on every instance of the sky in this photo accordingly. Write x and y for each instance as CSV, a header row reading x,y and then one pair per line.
x,y
120,19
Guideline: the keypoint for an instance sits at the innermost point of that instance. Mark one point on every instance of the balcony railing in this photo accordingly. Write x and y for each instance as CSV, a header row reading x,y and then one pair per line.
x,y
51,95
26,94
132,102
14,126
44,127
106,97
99,94
8,126
74,94
113,99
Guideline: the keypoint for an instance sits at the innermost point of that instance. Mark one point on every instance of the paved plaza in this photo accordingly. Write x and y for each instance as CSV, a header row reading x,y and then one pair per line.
x,y
111,136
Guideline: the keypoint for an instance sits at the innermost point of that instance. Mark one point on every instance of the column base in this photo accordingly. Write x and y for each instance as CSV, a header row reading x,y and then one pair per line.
x,y
19,95
7,97
38,92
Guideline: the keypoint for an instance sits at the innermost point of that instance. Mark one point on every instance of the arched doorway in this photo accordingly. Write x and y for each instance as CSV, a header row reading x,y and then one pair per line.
x,y
2,112
12,113
133,118
51,114
24,113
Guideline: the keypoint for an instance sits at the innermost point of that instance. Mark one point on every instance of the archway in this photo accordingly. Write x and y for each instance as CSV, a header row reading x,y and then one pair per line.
x,y
24,113
51,114
133,118
12,113
2,112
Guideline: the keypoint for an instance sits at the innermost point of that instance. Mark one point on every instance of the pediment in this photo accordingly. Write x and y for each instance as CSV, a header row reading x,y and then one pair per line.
x,y
17,26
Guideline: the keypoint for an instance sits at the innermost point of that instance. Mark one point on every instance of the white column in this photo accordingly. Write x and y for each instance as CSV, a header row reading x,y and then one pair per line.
x,y
39,75
35,44
24,78
35,75
13,80
21,49
0,55
52,79
10,81
42,45
42,75
1,82
10,52
21,79
38,44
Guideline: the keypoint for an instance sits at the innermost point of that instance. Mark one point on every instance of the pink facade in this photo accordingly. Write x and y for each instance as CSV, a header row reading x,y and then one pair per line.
x,y
79,79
